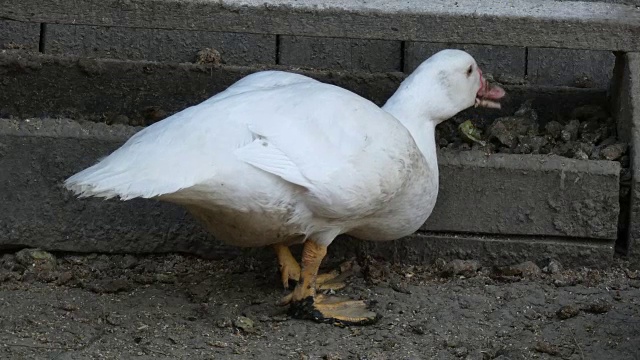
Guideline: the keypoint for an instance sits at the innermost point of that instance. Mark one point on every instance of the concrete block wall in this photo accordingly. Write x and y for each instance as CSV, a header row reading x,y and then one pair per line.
x,y
351,41
508,64
19,35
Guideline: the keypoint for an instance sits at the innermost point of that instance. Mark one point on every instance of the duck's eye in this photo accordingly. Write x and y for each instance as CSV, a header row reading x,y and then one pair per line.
x,y
470,70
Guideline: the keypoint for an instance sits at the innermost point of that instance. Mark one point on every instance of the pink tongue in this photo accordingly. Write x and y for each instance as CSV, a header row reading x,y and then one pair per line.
x,y
493,92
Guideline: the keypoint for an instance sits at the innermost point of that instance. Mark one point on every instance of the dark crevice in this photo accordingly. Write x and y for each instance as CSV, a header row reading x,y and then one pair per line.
x,y
402,56
526,62
277,49
43,36
537,238
624,217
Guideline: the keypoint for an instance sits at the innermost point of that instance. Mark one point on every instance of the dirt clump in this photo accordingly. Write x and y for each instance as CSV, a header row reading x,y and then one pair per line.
x,y
588,133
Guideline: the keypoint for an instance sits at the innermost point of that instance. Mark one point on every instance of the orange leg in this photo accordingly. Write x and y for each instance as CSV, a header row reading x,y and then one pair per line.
x,y
305,304
290,270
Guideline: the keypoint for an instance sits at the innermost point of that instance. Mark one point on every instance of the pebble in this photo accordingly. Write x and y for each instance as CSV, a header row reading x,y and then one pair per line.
x,y
567,312
613,152
466,268
245,324
599,307
525,269
36,258
552,267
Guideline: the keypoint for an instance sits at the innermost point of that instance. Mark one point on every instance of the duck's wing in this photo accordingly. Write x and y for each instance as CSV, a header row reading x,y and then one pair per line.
x,y
184,149
350,155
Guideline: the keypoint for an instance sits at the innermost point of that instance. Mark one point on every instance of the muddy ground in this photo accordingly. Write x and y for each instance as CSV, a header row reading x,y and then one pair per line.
x,y
178,307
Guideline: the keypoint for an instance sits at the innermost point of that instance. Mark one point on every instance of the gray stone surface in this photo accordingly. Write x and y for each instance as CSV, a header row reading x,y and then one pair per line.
x,y
507,64
35,85
103,90
566,67
36,211
341,53
626,102
424,248
158,44
19,35
539,23
526,195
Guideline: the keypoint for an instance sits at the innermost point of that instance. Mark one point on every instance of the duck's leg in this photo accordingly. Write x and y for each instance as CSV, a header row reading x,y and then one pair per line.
x,y
290,270
305,304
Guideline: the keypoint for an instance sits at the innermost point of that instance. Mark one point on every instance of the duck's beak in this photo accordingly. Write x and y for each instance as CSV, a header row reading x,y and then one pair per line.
x,y
488,94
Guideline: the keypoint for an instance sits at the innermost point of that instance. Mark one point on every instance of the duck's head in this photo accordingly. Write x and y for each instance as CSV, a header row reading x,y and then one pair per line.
x,y
443,85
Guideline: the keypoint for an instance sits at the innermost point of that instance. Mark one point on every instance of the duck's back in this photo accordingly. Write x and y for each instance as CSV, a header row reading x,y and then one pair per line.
x,y
293,142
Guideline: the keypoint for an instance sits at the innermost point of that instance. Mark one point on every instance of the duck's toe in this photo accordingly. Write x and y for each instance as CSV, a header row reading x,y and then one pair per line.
x,y
334,310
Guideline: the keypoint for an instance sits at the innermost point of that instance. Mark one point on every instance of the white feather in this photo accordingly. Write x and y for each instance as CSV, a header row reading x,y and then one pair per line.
x,y
280,155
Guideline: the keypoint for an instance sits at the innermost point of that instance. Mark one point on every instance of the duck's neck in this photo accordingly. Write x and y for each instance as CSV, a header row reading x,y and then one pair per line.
x,y
414,115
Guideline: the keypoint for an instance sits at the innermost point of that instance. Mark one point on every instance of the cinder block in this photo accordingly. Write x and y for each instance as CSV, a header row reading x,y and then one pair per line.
x,y
499,194
19,35
100,89
158,44
505,63
35,210
340,53
626,105
575,25
425,248
567,67
535,195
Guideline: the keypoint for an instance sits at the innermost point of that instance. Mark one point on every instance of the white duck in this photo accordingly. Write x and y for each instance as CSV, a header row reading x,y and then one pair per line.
x,y
279,158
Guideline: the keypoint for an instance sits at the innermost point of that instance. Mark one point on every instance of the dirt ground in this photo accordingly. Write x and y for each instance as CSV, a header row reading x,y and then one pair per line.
x,y
181,307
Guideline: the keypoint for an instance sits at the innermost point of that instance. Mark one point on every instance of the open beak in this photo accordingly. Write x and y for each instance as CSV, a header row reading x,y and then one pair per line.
x,y
488,94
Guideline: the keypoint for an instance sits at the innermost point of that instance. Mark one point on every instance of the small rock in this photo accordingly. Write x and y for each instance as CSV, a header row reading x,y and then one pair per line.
x,y
245,324
223,323
554,129
439,263
420,328
114,319
525,269
613,152
466,268
389,345
567,312
460,351
580,155
530,144
110,286
64,278
36,258
128,262
599,307
526,110
208,56
546,348
506,130
570,131
8,262
219,344
400,287
552,267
